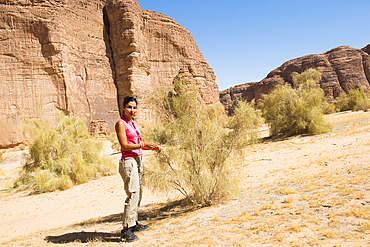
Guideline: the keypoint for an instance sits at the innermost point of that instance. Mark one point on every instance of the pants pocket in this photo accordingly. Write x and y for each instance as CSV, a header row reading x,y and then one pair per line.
x,y
130,175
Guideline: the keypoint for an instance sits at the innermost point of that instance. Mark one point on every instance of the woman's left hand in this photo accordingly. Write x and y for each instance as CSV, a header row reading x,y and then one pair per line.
x,y
158,149
152,146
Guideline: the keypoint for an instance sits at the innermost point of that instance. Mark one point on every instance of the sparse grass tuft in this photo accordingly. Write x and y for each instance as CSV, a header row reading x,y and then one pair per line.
x,y
1,155
365,226
2,173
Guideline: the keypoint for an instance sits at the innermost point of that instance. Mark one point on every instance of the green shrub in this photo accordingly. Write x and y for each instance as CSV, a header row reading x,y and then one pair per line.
x,y
359,100
62,156
328,108
296,110
355,100
198,140
342,102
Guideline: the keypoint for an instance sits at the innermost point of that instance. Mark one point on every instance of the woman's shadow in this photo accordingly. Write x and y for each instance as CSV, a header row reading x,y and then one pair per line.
x,y
149,212
84,237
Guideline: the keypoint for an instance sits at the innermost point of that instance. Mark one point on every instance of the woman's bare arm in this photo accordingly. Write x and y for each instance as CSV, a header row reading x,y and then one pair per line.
x,y
122,139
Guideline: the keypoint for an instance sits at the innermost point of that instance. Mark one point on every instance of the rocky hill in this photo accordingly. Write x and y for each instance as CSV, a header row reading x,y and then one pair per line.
x,y
85,56
344,68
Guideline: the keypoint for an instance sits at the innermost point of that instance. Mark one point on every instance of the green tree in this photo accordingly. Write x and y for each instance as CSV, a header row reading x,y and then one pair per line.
x,y
198,140
298,109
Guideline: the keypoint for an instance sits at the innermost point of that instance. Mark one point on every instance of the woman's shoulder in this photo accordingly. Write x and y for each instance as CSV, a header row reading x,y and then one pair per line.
x,y
120,123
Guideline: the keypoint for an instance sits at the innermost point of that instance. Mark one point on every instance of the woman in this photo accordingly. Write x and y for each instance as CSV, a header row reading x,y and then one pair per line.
x,y
131,167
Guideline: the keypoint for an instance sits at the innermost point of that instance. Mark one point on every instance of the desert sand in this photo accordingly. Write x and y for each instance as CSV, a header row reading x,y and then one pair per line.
x,y
296,191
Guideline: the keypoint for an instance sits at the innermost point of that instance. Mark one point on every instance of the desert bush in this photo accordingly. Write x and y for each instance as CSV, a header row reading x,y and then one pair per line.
x,y
298,109
355,100
61,155
328,108
198,140
160,134
342,102
114,140
358,100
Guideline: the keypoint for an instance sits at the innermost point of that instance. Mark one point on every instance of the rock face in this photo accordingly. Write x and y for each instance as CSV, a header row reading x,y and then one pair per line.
x,y
53,58
84,56
98,128
344,68
151,49
367,49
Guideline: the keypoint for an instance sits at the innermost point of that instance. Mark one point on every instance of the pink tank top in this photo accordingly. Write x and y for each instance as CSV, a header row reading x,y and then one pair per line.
x,y
133,135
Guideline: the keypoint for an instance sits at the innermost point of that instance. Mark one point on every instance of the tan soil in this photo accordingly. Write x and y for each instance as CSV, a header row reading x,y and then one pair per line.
x,y
298,191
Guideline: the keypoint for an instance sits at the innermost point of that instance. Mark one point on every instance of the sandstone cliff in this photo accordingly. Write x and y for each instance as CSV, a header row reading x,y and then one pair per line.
x,y
84,57
344,68
53,58
151,49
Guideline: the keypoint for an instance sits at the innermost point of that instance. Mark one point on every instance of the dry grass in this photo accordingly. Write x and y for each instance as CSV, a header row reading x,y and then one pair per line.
x,y
300,191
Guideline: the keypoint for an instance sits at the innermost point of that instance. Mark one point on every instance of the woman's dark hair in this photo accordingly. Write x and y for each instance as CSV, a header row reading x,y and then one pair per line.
x,y
128,99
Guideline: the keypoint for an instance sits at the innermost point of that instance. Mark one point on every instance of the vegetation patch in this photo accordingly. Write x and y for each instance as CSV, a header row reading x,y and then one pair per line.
x,y
198,139
62,155
355,100
298,109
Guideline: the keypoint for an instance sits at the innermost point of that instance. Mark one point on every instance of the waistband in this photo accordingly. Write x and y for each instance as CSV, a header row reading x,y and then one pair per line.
x,y
136,157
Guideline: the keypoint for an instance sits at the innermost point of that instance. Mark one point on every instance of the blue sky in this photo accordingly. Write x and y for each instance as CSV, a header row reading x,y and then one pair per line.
x,y
243,40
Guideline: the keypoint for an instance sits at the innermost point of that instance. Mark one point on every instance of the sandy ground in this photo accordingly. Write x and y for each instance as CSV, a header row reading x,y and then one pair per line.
x,y
22,215
297,191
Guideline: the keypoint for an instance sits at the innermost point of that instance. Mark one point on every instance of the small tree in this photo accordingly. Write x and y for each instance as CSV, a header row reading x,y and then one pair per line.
x,y
298,109
198,144
62,156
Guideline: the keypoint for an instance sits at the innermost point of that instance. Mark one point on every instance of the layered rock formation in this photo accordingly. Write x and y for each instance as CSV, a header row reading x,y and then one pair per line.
x,y
344,68
150,49
84,57
53,58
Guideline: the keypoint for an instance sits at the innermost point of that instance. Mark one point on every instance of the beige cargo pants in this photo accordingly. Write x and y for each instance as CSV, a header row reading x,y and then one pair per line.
x,y
131,171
